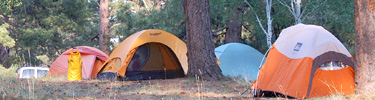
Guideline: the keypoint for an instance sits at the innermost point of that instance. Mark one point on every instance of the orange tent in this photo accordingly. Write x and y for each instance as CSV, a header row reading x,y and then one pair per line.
x,y
148,54
306,61
92,60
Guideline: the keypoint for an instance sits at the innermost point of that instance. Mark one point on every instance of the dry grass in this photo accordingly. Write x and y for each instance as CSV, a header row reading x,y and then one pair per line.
x,y
183,88
350,97
59,88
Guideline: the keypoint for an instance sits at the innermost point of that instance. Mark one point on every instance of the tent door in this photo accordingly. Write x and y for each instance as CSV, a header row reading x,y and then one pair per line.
x,y
153,61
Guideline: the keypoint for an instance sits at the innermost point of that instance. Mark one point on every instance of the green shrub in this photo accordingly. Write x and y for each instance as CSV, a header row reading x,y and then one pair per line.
x,y
8,72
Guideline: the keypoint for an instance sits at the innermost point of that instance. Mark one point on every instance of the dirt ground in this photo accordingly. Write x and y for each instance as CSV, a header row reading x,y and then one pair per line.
x,y
182,88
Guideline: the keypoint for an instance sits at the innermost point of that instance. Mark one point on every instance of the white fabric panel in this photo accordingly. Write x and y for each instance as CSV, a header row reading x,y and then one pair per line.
x,y
302,40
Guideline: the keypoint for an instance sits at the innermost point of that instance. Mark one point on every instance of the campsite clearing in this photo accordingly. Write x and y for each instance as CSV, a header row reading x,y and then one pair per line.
x,y
181,88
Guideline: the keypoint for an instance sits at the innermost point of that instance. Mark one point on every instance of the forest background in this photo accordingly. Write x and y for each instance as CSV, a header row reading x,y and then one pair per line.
x,y
37,31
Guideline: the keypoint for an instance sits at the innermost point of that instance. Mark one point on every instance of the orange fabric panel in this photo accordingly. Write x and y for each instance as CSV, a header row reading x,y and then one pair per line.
x,y
116,65
168,62
285,75
112,65
96,68
328,82
122,70
173,57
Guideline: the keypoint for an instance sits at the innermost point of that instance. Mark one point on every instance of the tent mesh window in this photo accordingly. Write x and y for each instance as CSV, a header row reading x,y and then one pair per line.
x,y
139,58
153,61
333,65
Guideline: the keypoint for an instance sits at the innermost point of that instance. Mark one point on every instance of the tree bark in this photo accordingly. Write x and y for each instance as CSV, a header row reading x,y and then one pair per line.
x,y
4,51
269,23
364,18
104,23
4,54
295,9
234,30
201,58
298,11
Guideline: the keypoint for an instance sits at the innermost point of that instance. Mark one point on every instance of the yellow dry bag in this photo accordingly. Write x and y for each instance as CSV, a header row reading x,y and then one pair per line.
x,y
75,66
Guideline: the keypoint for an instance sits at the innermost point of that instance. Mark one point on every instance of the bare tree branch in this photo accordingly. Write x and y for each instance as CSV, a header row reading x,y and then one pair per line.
x,y
97,35
113,26
291,9
93,37
256,15
146,5
304,8
313,10
246,27
268,33
215,35
292,5
220,29
6,19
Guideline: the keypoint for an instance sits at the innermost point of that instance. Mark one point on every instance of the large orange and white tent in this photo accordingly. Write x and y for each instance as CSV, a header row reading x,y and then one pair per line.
x,y
92,60
148,54
307,61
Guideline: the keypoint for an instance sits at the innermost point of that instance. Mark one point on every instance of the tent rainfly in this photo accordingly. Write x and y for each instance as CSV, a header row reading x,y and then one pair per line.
x,y
238,59
306,61
92,60
148,54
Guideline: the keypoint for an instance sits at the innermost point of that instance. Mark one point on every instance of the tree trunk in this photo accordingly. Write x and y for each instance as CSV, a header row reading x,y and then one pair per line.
x,y
4,51
298,11
234,30
201,58
364,18
269,23
104,23
4,54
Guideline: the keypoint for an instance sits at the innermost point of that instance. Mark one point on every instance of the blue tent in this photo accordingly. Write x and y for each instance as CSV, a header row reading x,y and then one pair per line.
x,y
238,59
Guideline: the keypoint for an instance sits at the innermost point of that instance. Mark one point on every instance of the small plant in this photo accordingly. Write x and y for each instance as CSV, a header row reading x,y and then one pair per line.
x,y
8,72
